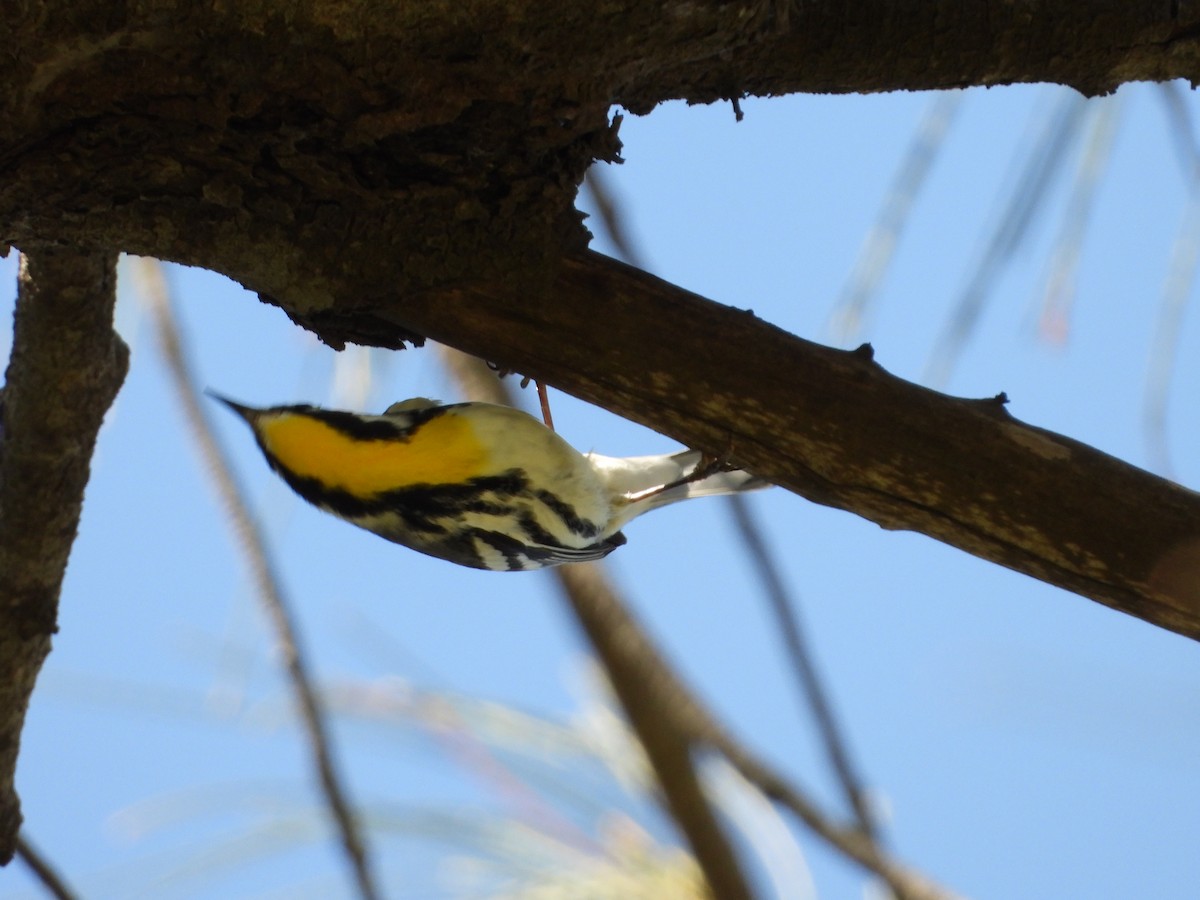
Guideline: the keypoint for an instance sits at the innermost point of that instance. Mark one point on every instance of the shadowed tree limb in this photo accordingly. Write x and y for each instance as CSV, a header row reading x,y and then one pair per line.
x,y
837,429
66,367
374,215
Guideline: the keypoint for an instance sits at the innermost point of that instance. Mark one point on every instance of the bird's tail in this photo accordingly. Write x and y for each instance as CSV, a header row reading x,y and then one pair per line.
x,y
648,482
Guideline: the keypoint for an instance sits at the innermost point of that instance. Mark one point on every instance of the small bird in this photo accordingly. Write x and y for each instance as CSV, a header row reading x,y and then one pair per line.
x,y
477,484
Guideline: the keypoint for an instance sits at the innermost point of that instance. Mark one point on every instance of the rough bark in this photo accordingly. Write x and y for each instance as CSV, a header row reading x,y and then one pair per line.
x,y
834,427
66,367
384,171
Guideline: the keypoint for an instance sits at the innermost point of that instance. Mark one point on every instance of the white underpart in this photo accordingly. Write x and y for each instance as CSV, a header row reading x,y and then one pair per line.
x,y
635,480
490,556
603,490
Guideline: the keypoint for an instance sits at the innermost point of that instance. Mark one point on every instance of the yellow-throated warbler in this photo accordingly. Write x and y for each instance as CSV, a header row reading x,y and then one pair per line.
x,y
481,485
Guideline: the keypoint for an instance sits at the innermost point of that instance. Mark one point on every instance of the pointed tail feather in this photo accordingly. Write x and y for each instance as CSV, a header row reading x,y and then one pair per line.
x,y
644,480
732,482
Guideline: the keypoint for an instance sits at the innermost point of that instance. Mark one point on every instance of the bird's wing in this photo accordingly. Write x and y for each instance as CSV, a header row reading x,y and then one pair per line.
x,y
517,555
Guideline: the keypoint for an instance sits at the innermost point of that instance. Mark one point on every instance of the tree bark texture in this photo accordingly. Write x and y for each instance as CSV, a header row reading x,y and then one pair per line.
x,y
388,174
384,172
66,367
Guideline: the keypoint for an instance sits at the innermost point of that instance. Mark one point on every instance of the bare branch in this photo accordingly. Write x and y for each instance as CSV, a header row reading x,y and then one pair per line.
x,y
642,677
43,870
834,427
804,665
253,544
66,367
404,234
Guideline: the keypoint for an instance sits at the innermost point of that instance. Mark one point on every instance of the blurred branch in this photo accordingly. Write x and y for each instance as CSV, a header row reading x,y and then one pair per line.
x,y
43,870
66,367
612,215
1024,199
672,724
1179,128
667,749
1180,280
804,666
644,684
1176,291
662,709
1059,292
850,311
253,544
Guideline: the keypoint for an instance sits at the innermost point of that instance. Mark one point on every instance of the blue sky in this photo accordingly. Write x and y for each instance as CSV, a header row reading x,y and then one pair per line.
x,y
1023,741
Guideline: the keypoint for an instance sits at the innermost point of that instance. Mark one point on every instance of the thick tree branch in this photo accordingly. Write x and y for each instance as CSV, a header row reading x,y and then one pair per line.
x,y
836,428
66,367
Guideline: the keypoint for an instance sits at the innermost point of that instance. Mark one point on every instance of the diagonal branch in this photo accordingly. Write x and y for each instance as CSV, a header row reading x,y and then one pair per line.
x,y
668,750
671,723
66,367
804,665
834,427
269,588
43,870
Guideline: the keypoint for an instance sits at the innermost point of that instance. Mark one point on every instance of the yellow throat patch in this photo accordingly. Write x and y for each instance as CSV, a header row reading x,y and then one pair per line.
x,y
445,450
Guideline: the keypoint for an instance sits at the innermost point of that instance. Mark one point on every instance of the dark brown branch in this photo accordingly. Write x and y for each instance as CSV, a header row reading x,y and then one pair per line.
x,y
391,149
836,428
371,215
66,367
43,870
269,588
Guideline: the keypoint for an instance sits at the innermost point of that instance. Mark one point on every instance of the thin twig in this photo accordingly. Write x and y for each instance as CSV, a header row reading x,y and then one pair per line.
x,y
803,664
43,870
612,216
905,883
1026,197
1177,287
850,311
544,402
253,543
1059,292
